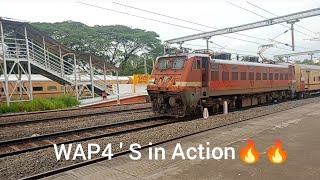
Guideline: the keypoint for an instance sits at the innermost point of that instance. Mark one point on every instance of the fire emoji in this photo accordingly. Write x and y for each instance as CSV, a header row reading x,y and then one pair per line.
x,y
276,154
248,154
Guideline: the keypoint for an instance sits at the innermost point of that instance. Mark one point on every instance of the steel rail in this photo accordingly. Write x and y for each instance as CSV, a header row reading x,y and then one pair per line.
x,y
132,125
96,160
67,117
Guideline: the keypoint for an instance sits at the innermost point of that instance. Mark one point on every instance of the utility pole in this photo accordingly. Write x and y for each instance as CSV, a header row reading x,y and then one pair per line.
x,y
311,56
145,65
292,32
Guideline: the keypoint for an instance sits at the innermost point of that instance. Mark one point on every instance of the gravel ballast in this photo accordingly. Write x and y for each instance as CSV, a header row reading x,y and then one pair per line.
x,y
43,160
60,113
28,130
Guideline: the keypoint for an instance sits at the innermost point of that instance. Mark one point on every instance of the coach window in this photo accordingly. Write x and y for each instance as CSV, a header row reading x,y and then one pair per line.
x,y
52,88
265,76
18,89
270,76
37,88
251,76
276,76
258,76
235,76
243,75
286,76
225,76
281,76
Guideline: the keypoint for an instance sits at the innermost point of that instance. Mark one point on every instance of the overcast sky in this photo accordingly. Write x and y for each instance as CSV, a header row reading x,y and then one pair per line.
x,y
216,14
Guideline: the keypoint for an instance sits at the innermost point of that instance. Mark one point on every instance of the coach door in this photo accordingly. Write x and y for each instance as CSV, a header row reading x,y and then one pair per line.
x,y
204,75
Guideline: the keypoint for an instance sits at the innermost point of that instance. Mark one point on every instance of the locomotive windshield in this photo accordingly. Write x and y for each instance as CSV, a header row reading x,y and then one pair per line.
x,y
177,63
170,63
163,64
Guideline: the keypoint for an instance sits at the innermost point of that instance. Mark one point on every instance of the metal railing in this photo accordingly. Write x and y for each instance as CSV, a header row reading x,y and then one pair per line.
x,y
47,60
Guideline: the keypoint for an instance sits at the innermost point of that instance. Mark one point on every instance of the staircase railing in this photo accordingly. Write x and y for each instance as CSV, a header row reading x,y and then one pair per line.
x,y
45,59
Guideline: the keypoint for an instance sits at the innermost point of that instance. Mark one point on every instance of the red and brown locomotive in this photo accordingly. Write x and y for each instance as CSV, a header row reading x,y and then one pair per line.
x,y
186,83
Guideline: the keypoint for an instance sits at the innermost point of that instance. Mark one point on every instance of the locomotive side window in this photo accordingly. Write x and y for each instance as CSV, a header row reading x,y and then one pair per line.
x,y
215,76
270,76
265,76
196,64
235,76
251,76
281,76
225,76
163,64
243,75
258,76
177,64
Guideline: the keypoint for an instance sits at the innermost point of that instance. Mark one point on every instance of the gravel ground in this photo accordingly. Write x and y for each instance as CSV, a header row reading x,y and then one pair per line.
x,y
43,160
13,132
22,117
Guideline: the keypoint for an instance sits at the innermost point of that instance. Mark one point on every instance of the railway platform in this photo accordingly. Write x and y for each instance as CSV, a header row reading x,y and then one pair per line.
x,y
127,98
298,130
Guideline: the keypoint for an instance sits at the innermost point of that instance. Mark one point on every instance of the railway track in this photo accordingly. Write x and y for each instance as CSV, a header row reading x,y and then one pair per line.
x,y
66,117
62,110
96,160
28,144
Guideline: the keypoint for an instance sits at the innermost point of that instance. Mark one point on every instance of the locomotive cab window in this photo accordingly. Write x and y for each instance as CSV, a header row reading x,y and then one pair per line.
x,y
177,63
163,64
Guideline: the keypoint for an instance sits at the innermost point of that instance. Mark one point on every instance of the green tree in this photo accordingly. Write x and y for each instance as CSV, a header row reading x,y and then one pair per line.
x,y
117,43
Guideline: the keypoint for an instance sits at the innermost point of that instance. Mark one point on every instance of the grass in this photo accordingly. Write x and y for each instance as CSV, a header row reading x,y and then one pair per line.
x,y
40,104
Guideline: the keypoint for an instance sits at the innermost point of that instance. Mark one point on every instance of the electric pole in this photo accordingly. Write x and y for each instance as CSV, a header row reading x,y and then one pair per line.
x,y
292,32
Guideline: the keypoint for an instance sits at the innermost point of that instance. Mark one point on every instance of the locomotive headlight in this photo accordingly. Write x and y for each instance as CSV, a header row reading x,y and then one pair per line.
x,y
172,101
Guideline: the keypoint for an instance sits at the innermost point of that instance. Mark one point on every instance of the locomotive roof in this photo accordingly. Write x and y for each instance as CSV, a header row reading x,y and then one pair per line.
x,y
248,63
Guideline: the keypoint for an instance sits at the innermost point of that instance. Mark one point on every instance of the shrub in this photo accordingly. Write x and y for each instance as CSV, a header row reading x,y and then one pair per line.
x,y
40,104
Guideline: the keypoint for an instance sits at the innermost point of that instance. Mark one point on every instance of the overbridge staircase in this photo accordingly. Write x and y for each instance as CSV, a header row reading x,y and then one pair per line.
x,y
64,69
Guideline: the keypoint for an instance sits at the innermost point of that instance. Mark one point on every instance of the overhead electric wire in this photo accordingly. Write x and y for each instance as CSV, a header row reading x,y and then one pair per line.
x,y
163,22
266,18
205,26
279,24
229,49
277,15
99,7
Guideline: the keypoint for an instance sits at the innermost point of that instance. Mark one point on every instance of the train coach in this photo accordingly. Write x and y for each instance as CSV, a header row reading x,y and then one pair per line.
x,y
185,84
